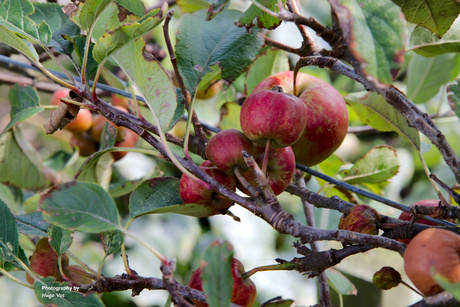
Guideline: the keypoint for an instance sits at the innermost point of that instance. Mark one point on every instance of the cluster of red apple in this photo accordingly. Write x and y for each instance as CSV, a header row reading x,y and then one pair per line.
x,y
279,128
432,251
87,128
44,262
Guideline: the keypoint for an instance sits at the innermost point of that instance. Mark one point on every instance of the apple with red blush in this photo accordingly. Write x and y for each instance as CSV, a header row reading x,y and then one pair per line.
x,y
244,290
273,117
193,191
405,216
84,119
326,115
45,261
225,149
279,169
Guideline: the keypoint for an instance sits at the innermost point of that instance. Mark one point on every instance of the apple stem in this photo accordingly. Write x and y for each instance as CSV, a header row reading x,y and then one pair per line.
x,y
251,189
80,263
287,266
412,288
265,161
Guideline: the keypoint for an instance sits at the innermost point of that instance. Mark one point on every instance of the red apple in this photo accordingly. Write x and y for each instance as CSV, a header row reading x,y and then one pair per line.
x,y
244,290
77,275
326,116
432,251
280,168
129,139
120,101
404,216
274,116
81,123
192,191
361,218
225,148
84,118
57,95
44,261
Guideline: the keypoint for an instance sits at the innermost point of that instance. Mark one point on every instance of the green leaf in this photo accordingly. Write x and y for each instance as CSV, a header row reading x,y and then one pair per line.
x,y
135,6
153,194
19,162
202,44
375,35
452,288
50,292
230,116
453,96
79,44
340,282
14,15
12,196
426,43
9,236
123,35
9,38
267,63
112,241
437,16
150,79
108,136
216,273
425,76
123,188
24,103
373,110
61,239
32,224
60,159
209,78
161,195
195,210
263,19
80,206
88,13
191,6
98,168
59,24
376,166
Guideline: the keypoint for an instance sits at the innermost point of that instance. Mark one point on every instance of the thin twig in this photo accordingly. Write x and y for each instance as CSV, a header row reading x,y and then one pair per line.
x,y
323,283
